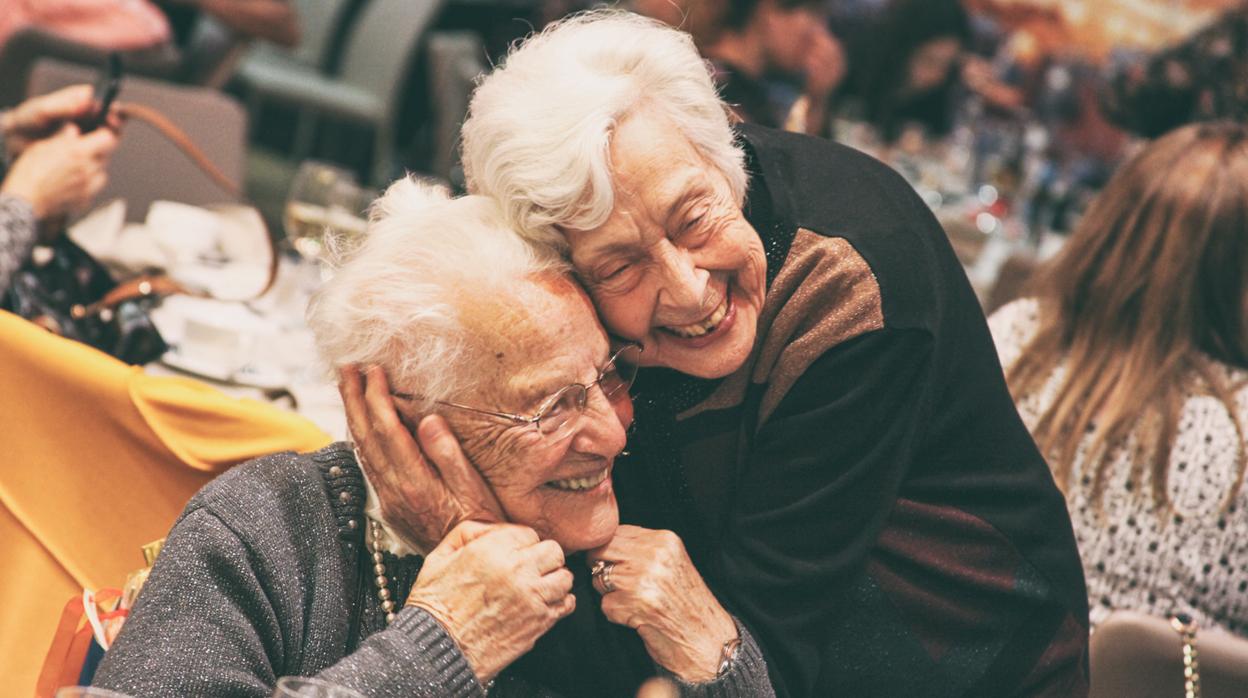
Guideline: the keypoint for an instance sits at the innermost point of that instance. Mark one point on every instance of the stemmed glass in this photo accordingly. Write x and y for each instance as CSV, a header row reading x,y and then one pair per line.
x,y
324,200
304,687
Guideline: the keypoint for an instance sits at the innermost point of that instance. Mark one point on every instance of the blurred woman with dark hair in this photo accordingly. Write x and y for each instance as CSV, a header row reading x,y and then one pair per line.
x,y
1130,368
904,63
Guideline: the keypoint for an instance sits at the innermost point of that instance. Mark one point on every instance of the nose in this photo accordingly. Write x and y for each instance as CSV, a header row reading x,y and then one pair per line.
x,y
603,426
683,287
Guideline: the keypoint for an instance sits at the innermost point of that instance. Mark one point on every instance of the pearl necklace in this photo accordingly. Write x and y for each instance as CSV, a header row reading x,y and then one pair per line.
x,y
379,569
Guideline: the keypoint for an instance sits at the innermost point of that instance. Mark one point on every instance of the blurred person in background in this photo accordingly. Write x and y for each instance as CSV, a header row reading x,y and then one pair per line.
x,y
1129,365
269,20
759,40
53,169
1202,78
905,61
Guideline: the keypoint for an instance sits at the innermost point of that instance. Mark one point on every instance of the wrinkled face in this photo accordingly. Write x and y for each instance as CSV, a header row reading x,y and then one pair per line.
x,y
536,342
676,267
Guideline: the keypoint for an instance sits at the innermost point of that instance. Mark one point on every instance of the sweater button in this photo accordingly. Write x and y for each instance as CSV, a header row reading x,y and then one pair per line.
x,y
335,471
344,497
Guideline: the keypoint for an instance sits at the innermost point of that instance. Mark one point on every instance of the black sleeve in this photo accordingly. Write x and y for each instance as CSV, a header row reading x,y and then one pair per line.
x,y
205,626
818,486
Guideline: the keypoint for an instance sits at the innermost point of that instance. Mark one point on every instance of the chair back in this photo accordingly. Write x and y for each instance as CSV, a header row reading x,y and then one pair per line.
x,y
146,167
318,20
1135,655
456,59
380,48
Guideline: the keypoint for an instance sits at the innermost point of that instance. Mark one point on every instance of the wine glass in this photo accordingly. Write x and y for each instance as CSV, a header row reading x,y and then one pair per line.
x,y
305,687
323,200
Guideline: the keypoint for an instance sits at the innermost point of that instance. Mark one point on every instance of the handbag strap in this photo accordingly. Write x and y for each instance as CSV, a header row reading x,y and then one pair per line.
x,y
162,285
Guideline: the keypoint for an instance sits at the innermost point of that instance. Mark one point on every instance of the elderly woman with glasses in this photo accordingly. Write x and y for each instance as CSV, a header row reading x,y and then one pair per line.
x,y
824,447
286,566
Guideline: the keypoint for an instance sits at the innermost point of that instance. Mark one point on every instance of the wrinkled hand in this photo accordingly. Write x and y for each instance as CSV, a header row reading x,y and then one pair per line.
x,y
657,591
422,498
61,174
40,117
496,588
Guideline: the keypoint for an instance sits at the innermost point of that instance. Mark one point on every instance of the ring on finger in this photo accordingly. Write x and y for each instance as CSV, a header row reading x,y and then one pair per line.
x,y
601,575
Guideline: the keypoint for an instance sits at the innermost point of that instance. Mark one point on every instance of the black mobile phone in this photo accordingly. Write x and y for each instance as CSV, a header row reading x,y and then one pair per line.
x,y
106,90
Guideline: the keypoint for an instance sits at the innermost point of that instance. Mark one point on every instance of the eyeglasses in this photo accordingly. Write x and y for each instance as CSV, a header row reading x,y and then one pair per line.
x,y
560,412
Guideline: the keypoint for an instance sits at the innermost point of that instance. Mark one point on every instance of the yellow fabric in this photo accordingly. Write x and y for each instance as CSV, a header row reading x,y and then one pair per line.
x,y
98,459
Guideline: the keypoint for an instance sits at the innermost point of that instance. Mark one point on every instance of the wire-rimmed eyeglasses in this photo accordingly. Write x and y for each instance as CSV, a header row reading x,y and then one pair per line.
x,y
560,412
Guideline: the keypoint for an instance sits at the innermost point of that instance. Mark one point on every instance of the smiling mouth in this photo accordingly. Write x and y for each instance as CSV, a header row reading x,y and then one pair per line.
x,y
706,325
580,484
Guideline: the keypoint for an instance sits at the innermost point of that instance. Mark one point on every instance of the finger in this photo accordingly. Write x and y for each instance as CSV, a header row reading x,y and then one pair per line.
x,y
391,443
100,143
547,555
512,536
464,533
68,130
95,185
619,609
460,476
555,586
374,459
658,687
69,102
564,608
623,545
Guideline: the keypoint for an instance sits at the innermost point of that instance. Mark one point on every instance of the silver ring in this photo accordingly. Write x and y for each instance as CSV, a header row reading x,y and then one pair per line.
x,y
601,574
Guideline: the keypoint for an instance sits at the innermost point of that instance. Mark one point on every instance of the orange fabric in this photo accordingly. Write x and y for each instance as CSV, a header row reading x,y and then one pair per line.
x,y
100,458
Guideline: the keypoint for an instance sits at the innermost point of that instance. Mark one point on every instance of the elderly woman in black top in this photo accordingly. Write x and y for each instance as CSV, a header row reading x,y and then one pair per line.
x,y
825,447
285,566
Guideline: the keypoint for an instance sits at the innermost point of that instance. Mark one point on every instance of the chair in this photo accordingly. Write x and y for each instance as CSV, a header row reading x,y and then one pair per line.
x,y
1134,655
268,64
100,458
374,63
456,59
146,167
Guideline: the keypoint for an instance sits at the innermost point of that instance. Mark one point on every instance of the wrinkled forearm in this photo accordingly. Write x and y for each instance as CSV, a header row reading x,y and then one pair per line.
x,y
747,677
413,657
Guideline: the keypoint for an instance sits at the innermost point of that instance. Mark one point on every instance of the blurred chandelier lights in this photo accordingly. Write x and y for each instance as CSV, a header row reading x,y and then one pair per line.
x,y
1095,27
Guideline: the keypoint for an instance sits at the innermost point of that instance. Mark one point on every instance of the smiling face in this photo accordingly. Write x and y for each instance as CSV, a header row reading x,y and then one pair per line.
x,y
544,337
676,267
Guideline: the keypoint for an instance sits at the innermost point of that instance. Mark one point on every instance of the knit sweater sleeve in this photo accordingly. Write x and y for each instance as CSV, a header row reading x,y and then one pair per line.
x,y
208,624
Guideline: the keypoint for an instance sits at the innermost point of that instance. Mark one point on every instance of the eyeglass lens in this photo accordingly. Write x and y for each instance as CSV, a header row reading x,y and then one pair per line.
x,y
615,380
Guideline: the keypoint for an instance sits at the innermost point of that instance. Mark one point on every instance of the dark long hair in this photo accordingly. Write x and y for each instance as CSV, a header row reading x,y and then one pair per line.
x,y
1153,281
879,58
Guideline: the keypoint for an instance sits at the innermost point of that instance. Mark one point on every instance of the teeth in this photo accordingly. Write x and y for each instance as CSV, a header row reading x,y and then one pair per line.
x,y
707,326
579,484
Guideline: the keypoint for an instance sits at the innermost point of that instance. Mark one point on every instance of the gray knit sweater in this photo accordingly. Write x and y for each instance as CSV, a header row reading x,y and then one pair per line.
x,y
249,587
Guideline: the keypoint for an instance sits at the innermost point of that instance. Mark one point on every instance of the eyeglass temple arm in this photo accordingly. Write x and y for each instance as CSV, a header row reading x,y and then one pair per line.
x,y
505,415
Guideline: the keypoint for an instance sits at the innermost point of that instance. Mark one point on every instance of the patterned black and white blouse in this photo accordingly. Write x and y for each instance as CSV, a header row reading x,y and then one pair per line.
x,y
17,228
1192,560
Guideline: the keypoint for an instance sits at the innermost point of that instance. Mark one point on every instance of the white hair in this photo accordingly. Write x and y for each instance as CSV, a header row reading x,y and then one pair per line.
x,y
537,137
397,300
